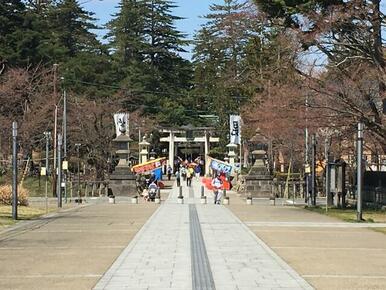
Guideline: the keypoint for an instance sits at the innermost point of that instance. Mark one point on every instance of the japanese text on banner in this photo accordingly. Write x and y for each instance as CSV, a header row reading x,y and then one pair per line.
x,y
235,129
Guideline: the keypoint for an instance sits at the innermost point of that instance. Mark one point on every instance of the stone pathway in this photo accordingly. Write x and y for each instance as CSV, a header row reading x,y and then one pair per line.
x,y
195,246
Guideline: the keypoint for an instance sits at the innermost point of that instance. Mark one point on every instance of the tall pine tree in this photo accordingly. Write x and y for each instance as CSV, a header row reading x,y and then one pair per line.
x,y
85,61
143,36
11,19
219,57
72,25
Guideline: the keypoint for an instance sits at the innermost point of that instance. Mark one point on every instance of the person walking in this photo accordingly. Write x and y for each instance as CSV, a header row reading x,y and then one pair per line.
x,y
217,189
188,177
178,178
191,169
183,172
197,170
169,171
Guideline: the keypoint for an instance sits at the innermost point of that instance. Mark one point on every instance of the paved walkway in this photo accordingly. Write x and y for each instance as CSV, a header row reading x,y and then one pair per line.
x,y
71,249
328,253
194,246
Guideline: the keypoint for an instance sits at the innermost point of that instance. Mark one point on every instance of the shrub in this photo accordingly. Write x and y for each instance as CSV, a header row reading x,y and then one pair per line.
x,y
6,195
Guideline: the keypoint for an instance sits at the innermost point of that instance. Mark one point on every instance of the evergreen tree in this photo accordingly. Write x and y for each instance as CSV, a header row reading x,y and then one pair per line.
x,y
169,75
11,19
126,32
126,42
145,45
85,61
72,26
219,57
34,33
23,33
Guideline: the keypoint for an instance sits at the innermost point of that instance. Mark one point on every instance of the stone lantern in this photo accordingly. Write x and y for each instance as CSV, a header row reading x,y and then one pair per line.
x,y
123,150
258,182
231,153
144,150
122,180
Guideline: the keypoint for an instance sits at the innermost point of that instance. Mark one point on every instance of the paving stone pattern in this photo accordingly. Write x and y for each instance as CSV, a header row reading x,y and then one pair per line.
x,y
160,255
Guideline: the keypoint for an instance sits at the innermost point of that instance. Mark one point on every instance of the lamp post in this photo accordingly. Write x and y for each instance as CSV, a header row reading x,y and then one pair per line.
x,y
14,171
313,171
327,171
48,137
65,140
59,185
77,145
54,189
359,171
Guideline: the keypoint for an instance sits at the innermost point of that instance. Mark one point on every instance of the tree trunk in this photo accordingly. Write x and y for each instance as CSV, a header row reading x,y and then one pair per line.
x,y
377,34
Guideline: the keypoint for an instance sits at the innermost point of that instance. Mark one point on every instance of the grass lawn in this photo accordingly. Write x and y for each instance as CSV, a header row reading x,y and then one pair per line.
x,y
381,230
349,214
24,213
32,185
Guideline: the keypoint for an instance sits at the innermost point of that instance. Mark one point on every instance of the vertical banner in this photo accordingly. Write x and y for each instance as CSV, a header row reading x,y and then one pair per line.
x,y
235,129
121,121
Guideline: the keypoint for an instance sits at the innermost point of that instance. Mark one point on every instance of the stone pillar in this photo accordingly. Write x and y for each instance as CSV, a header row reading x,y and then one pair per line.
x,y
231,153
144,150
171,150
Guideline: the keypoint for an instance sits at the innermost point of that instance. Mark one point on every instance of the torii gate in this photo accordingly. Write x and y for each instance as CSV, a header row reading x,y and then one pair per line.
x,y
172,138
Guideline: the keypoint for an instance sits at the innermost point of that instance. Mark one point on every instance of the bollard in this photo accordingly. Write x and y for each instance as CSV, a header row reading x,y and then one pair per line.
x,y
112,199
157,199
225,200
134,200
249,200
180,199
203,197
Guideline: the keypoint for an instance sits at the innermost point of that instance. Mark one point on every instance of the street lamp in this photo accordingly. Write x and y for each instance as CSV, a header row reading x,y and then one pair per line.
x,y
77,145
359,170
47,134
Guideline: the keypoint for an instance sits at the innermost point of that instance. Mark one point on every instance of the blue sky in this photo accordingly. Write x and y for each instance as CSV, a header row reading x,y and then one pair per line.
x,y
191,10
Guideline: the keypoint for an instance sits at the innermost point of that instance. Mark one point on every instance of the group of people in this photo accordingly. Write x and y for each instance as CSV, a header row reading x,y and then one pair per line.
x,y
187,172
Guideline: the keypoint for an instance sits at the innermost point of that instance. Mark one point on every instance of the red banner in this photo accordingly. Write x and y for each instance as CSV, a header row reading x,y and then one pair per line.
x,y
149,165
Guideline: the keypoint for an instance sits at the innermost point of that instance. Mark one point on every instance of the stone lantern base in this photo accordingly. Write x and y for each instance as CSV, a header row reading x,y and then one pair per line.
x,y
122,182
258,182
